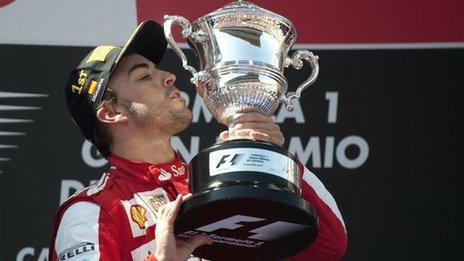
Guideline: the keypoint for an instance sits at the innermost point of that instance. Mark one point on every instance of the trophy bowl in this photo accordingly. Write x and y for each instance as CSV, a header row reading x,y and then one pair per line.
x,y
246,193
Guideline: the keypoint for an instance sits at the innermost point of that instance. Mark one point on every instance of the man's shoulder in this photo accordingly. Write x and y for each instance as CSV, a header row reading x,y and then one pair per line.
x,y
103,192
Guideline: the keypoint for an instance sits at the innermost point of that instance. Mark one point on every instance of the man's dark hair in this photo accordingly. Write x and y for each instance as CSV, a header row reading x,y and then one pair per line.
x,y
101,134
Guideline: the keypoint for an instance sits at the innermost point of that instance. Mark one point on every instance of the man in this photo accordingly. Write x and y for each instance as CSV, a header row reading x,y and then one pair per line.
x,y
130,109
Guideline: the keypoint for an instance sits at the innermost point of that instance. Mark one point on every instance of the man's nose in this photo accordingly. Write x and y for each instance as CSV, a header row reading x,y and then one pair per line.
x,y
169,79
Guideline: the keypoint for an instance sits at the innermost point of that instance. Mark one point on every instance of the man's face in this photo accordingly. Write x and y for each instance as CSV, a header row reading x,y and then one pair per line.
x,y
148,96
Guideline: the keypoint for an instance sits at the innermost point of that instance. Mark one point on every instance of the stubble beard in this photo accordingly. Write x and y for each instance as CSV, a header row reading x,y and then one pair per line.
x,y
162,117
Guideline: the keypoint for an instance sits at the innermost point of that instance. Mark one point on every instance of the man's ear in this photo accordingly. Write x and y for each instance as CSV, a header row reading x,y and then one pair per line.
x,y
110,116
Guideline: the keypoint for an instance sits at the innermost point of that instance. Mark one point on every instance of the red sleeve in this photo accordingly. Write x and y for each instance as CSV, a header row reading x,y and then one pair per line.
x,y
83,230
331,241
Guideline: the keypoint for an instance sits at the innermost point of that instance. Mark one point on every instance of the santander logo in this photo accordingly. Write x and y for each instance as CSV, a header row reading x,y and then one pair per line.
x,y
5,2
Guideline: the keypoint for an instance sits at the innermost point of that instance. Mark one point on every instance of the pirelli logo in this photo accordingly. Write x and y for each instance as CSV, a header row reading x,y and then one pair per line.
x,y
77,250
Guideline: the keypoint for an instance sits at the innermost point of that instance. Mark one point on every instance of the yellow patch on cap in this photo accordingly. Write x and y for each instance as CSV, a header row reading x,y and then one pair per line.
x,y
100,53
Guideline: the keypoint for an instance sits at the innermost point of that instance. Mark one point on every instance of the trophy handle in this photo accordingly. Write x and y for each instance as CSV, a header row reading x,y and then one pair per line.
x,y
297,62
187,32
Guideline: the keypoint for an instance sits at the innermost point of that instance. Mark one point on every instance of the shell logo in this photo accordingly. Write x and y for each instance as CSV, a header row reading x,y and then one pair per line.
x,y
138,214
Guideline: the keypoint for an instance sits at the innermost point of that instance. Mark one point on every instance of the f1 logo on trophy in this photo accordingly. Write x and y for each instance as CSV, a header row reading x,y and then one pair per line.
x,y
246,193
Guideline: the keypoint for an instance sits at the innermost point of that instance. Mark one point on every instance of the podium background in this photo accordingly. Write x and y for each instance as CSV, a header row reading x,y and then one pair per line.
x,y
380,128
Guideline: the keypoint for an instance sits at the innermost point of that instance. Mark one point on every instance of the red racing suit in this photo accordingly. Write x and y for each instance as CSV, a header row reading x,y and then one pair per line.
x,y
114,219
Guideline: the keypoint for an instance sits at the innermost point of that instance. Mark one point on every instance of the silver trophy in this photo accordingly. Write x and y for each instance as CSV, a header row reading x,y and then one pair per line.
x,y
243,53
246,193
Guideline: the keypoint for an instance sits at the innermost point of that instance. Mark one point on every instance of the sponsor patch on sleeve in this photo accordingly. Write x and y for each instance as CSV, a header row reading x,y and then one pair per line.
x,y
77,251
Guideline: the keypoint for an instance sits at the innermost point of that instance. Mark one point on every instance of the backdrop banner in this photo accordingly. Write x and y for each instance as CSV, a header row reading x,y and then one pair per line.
x,y
380,128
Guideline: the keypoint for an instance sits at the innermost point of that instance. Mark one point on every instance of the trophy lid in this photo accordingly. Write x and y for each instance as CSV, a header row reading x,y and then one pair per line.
x,y
243,7
239,4
250,14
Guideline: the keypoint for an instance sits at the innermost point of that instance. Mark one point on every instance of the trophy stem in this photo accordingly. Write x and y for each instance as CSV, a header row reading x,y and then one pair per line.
x,y
231,125
232,118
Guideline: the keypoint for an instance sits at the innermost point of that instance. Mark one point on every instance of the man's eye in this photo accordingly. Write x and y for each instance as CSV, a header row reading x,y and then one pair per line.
x,y
145,77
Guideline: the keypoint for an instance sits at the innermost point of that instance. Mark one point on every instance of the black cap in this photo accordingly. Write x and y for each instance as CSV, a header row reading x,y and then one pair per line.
x,y
87,83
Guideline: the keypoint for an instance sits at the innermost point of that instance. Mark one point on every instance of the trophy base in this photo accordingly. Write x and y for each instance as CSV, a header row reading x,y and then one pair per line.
x,y
250,215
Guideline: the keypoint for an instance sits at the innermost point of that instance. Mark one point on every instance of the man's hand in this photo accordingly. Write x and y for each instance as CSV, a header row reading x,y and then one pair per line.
x,y
254,126
167,246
